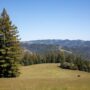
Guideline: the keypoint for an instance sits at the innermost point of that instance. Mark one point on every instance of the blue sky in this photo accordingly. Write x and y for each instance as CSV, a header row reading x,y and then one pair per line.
x,y
50,19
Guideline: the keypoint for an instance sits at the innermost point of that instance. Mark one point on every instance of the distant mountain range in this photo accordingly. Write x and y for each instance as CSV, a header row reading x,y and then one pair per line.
x,y
78,47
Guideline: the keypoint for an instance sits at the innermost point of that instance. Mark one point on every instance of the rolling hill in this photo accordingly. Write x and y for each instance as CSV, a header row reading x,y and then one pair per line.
x,y
78,47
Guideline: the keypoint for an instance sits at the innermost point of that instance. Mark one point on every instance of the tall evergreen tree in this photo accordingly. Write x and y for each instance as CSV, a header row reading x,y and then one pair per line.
x,y
9,47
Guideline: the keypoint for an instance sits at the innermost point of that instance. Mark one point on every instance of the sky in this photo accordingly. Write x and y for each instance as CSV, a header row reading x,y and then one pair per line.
x,y
49,19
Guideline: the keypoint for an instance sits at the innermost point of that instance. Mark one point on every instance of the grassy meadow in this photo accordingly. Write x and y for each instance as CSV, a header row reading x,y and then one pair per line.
x,y
47,77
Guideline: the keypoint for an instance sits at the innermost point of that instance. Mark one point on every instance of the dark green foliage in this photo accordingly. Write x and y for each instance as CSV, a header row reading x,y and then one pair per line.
x,y
67,65
9,47
29,59
74,62
67,61
32,58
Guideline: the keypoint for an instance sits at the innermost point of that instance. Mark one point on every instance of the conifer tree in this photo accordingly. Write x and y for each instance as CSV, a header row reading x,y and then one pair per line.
x,y
9,47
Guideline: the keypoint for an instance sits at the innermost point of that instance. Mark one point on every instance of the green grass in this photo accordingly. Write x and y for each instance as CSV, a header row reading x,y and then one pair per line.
x,y
47,77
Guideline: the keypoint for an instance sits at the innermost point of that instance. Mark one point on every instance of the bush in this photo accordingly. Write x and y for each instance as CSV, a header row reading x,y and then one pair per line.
x,y
67,65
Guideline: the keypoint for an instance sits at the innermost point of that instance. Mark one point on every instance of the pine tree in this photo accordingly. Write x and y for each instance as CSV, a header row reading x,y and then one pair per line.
x,y
63,58
9,47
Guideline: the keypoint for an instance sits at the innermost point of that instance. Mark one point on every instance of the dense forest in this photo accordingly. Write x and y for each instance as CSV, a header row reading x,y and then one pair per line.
x,y
66,60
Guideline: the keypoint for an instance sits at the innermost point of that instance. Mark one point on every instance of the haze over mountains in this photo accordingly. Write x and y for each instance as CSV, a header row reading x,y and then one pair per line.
x,y
79,47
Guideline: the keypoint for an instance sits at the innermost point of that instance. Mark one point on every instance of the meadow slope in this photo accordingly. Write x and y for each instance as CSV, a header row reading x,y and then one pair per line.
x,y
47,77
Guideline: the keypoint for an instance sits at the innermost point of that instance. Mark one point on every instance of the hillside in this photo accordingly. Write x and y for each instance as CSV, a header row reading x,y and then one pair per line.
x,y
68,43
78,47
47,77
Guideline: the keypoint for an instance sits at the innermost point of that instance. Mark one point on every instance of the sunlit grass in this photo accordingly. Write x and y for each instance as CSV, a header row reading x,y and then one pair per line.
x,y
47,77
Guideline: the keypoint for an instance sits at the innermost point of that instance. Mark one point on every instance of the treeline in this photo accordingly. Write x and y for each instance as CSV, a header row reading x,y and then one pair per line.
x,y
74,62
29,58
67,61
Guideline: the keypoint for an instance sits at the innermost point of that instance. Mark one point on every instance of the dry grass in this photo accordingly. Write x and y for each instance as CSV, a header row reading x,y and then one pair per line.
x,y
47,77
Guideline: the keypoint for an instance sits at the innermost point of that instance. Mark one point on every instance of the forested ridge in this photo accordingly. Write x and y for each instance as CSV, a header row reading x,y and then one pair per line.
x,y
78,47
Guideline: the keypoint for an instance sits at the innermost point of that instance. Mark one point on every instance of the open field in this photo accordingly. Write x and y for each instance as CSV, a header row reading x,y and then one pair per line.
x,y
47,77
